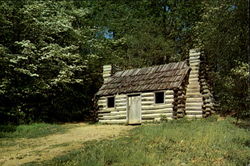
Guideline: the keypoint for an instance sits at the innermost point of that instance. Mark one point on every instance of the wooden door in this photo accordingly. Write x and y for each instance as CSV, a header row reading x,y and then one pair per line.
x,y
134,109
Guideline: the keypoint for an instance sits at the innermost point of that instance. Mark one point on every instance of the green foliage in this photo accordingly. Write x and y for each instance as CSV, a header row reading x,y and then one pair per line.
x,y
223,34
180,142
45,73
34,130
52,52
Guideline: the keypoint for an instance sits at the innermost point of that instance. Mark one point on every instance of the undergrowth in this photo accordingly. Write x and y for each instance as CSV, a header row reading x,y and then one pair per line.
x,y
178,142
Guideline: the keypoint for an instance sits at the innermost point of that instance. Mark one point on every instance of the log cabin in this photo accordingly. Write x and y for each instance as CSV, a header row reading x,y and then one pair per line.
x,y
156,93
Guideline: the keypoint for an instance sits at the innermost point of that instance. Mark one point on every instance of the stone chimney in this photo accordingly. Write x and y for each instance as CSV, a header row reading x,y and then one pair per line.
x,y
107,72
194,100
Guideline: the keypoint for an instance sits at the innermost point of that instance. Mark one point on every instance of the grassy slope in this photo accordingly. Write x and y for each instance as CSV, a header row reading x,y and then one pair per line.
x,y
182,142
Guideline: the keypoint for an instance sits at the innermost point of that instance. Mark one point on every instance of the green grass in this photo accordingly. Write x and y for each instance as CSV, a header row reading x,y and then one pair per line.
x,y
203,142
34,130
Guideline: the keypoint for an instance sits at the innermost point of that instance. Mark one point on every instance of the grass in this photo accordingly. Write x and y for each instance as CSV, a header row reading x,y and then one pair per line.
x,y
179,142
34,130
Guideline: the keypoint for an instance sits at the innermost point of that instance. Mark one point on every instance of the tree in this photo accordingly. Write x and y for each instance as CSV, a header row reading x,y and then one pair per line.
x,y
223,32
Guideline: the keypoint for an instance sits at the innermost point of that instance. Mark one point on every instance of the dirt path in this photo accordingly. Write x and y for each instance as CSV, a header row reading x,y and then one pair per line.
x,y
45,148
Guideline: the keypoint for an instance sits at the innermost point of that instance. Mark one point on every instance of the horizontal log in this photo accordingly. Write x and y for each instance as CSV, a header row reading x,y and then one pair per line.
x,y
193,112
101,102
194,108
169,100
194,79
193,116
204,87
193,87
169,97
193,93
181,97
157,115
103,111
150,100
194,104
113,117
194,58
120,105
116,113
147,102
194,99
121,96
112,112
122,121
157,111
182,111
102,98
180,115
193,84
194,64
157,106
205,91
147,120
169,92
180,107
206,96
118,108
147,94
203,84
121,101
194,52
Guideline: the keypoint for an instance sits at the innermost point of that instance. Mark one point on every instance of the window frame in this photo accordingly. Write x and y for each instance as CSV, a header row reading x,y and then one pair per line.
x,y
108,101
163,97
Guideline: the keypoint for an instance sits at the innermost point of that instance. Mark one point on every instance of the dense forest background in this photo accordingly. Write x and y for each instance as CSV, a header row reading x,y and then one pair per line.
x,y
52,51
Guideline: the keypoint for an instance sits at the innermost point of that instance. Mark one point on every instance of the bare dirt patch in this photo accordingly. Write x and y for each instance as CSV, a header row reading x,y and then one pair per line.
x,y
45,148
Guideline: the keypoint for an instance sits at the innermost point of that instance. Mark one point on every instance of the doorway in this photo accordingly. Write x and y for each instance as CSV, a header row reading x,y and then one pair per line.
x,y
134,109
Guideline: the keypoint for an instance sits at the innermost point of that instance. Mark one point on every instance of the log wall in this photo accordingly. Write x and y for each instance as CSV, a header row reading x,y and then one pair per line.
x,y
117,114
180,101
150,111
155,112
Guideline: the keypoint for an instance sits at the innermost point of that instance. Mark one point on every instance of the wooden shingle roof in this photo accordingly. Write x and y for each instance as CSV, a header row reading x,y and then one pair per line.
x,y
162,77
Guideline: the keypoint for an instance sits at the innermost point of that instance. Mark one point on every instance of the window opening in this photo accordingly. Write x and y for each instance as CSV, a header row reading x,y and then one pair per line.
x,y
111,102
159,97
